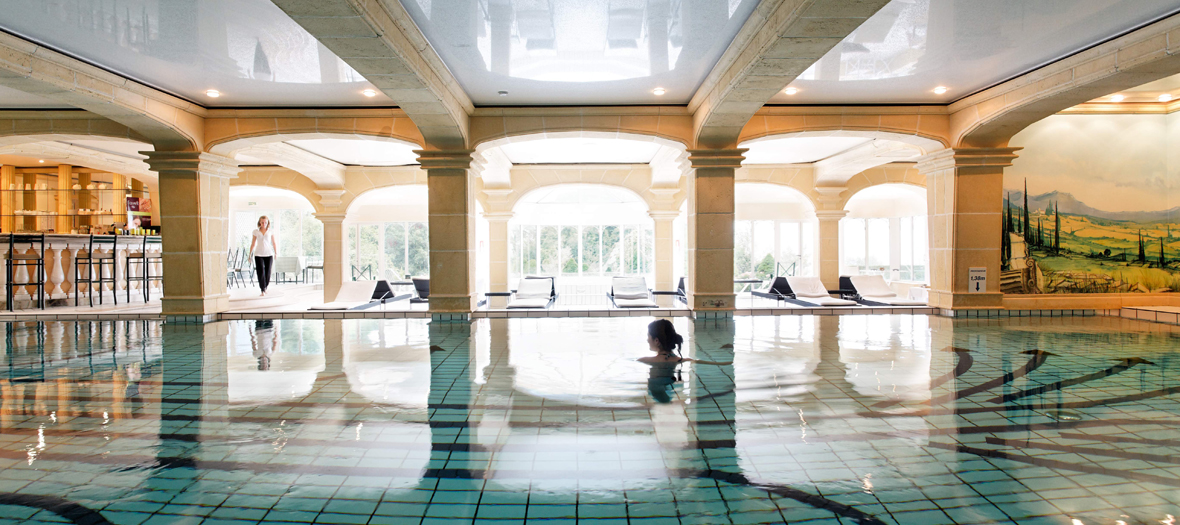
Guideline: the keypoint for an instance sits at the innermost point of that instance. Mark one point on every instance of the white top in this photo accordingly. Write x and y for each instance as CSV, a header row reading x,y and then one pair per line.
x,y
264,243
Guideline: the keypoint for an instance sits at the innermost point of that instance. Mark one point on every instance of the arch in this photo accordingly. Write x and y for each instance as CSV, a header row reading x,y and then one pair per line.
x,y
924,142
886,174
67,130
376,178
992,117
360,198
230,144
674,131
280,178
535,189
798,178
634,178
285,192
885,186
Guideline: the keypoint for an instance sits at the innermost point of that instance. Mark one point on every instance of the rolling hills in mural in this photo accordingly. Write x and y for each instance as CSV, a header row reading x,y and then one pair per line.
x,y
1054,243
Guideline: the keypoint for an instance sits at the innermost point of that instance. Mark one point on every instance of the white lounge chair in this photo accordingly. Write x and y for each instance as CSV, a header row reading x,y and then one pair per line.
x,y
874,291
353,295
534,292
810,291
630,292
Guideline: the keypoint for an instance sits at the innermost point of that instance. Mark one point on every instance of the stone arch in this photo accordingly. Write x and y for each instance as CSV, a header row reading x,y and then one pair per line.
x,y
798,178
376,178
634,178
541,187
885,174
778,129
671,131
989,119
67,130
281,178
229,144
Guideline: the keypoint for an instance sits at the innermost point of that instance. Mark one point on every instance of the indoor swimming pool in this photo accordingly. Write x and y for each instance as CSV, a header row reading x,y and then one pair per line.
x,y
868,419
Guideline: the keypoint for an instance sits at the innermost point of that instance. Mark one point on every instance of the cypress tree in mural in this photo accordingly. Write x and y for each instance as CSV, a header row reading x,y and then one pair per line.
x,y
1006,240
1142,252
1163,263
1027,225
1057,227
1040,234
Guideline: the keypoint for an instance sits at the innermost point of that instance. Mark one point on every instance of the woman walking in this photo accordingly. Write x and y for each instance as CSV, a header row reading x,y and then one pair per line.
x,y
263,247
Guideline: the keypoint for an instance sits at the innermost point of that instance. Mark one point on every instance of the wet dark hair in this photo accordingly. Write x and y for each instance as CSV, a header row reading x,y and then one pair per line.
x,y
665,335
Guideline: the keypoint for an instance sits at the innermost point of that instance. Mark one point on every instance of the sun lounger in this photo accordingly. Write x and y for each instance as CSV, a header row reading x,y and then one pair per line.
x,y
353,295
779,290
872,290
810,291
422,289
534,292
630,292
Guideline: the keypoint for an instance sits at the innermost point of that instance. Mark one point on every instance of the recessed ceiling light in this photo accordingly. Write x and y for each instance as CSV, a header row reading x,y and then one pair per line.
x,y
1117,98
940,90
213,93
502,93
659,91
369,92
42,161
791,90
1165,97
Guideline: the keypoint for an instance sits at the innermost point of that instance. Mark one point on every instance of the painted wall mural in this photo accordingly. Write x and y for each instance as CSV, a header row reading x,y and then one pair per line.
x,y
1091,209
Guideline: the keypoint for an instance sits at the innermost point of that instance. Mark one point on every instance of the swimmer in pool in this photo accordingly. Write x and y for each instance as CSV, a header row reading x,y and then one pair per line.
x,y
663,340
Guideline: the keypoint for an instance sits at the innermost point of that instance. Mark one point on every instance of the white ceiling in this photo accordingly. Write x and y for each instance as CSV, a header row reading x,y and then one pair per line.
x,y
360,152
798,150
581,150
912,46
249,50
579,51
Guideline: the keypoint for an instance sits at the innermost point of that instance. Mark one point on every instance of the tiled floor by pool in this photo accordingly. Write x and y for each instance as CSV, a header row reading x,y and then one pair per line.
x,y
851,419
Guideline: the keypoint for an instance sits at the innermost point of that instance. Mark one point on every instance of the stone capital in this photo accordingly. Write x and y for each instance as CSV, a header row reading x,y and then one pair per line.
x,y
663,215
330,198
716,158
830,215
967,158
498,216
459,159
829,194
190,163
330,218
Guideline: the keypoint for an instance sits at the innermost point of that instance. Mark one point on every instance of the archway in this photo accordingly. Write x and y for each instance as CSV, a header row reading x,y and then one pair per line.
x,y
885,233
298,233
388,235
583,234
775,231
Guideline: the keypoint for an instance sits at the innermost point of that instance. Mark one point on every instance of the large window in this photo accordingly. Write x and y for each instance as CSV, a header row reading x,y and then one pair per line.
x,y
766,248
885,234
580,251
388,250
297,232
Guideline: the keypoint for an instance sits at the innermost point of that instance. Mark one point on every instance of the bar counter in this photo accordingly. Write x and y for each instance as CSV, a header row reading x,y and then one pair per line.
x,y
59,269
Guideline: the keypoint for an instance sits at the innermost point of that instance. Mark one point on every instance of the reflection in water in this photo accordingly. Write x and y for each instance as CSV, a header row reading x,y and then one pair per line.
x,y
404,419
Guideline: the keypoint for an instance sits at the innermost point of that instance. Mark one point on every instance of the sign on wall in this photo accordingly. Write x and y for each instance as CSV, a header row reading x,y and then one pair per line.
x,y
977,280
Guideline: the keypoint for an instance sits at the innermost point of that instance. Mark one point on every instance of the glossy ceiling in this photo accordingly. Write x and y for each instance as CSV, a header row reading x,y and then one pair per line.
x,y
912,46
798,150
584,52
581,150
249,50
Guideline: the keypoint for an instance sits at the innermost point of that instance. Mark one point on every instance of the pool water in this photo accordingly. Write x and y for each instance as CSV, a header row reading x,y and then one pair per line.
x,y
825,419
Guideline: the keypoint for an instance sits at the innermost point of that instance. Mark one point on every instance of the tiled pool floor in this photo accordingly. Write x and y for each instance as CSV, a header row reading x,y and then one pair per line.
x,y
851,419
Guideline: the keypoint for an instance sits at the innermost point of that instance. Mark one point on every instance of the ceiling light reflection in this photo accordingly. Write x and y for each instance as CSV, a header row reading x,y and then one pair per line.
x,y
791,90
659,91
213,93
369,93
1117,98
940,90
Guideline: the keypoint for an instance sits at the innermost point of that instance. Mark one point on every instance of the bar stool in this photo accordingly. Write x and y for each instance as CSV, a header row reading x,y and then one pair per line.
x,y
91,259
36,261
144,258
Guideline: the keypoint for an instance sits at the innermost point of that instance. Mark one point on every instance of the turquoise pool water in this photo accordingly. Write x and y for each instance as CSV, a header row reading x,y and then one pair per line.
x,y
849,419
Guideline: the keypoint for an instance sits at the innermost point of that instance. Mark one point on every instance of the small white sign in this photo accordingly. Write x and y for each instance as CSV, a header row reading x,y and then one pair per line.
x,y
977,280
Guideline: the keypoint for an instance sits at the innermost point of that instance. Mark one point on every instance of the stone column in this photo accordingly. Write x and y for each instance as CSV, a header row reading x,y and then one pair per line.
x,y
498,250
65,180
452,233
194,212
965,198
8,203
829,246
335,256
665,280
710,229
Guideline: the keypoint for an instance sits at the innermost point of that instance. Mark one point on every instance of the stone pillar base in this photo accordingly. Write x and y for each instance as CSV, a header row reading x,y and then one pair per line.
x,y
708,302
189,319
450,318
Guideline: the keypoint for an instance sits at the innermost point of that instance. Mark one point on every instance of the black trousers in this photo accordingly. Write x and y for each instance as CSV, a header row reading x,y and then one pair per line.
x,y
262,266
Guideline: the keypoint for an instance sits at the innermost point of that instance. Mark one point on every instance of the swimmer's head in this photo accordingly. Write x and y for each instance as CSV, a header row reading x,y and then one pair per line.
x,y
663,335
